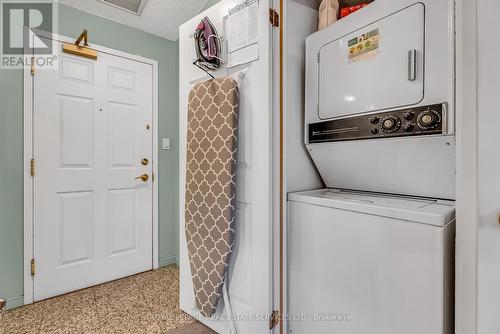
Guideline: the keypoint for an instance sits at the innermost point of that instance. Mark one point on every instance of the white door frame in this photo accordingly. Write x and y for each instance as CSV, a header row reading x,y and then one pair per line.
x,y
28,181
466,310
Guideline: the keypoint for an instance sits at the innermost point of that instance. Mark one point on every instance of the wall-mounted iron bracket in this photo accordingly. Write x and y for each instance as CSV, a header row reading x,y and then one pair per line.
x,y
79,50
196,63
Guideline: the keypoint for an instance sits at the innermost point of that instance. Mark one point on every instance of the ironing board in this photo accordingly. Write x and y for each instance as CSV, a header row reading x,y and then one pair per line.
x,y
210,187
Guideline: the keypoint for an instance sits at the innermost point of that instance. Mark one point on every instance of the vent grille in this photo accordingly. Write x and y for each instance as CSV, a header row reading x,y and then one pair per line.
x,y
131,6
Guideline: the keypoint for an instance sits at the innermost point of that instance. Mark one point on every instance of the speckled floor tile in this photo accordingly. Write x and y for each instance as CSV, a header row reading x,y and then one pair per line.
x,y
155,281
116,289
166,311
73,313
105,330
78,299
168,289
130,320
163,301
174,269
119,294
144,303
176,319
71,322
196,328
24,320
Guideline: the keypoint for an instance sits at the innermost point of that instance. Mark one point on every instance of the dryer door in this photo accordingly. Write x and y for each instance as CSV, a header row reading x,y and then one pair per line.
x,y
378,67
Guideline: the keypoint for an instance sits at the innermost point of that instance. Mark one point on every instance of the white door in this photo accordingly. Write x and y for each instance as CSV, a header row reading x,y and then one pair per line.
x,y
377,67
92,218
250,281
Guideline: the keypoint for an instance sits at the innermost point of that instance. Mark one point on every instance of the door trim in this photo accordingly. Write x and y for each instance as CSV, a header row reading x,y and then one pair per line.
x,y
467,202
28,182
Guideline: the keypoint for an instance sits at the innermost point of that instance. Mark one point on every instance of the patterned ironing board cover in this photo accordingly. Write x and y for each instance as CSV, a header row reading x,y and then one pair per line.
x,y
211,186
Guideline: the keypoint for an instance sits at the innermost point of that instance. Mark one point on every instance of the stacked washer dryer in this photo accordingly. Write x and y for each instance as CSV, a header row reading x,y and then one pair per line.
x,y
374,252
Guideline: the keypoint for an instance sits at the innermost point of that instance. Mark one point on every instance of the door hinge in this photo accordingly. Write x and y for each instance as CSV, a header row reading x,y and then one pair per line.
x,y
274,319
32,167
32,65
274,18
32,267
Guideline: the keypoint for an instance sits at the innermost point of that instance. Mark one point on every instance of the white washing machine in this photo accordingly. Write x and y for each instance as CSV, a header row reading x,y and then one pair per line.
x,y
370,263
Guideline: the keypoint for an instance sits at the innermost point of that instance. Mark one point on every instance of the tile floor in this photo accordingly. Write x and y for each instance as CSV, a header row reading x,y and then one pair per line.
x,y
144,303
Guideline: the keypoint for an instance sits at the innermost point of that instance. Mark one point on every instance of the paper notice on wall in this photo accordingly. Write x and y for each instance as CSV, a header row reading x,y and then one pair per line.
x,y
364,47
243,33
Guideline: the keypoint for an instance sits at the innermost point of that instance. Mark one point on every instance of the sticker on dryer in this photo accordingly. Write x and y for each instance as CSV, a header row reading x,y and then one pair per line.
x,y
363,47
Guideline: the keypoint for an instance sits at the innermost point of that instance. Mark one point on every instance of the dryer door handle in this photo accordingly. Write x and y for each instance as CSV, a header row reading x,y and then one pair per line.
x,y
412,65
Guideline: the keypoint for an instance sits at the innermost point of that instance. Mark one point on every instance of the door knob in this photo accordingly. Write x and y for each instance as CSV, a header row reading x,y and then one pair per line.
x,y
143,177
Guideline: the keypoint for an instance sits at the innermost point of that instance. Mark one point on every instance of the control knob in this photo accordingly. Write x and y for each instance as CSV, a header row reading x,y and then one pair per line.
x,y
391,124
428,119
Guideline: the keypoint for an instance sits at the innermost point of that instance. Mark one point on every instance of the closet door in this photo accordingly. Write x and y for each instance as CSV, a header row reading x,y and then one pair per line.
x,y
377,67
250,280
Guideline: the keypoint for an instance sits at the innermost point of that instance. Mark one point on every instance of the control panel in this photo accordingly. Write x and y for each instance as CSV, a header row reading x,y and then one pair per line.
x,y
418,121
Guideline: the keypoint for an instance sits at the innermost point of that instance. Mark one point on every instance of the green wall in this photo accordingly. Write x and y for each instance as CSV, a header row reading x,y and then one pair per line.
x,y
113,35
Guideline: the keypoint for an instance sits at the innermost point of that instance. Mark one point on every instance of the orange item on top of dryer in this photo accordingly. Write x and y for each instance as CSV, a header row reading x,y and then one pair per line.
x,y
351,9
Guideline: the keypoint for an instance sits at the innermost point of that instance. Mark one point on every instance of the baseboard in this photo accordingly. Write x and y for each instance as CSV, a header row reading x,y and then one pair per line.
x,y
14,303
168,261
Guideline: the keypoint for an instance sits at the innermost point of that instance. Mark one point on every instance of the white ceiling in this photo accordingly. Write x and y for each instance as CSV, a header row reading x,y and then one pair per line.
x,y
159,17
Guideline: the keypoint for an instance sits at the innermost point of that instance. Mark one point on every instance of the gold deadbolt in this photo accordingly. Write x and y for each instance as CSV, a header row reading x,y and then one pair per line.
x,y
143,177
145,162
148,126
